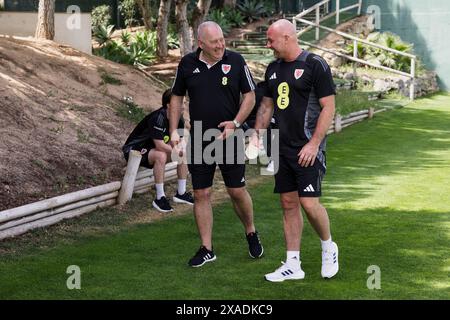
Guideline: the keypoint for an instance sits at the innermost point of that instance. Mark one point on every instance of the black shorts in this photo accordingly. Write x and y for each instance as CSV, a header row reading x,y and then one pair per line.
x,y
307,181
203,175
144,160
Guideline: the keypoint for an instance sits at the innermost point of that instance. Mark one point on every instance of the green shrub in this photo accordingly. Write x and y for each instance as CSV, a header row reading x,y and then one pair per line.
x,y
128,10
125,38
103,34
385,58
251,9
234,17
101,16
140,50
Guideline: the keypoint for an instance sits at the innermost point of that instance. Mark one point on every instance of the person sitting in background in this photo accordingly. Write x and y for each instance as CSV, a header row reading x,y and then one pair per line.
x,y
151,138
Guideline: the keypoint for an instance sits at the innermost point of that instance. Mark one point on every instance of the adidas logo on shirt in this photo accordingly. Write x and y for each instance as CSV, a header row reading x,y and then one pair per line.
x,y
273,76
196,70
309,189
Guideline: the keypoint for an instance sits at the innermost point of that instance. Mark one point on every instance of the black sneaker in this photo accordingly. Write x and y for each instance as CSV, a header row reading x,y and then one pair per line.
x,y
255,248
162,205
202,256
183,198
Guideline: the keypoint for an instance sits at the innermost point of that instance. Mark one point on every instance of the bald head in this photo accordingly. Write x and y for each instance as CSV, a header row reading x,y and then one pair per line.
x,y
282,39
283,27
208,29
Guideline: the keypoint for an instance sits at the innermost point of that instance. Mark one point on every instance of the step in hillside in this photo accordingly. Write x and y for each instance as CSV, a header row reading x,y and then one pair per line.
x,y
255,36
248,43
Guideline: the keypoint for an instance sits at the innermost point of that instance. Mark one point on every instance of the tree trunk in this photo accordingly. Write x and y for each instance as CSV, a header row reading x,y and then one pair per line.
x,y
161,27
144,7
184,34
198,16
45,28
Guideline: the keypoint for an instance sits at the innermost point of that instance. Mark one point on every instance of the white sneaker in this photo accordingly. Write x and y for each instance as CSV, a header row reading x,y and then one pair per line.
x,y
270,166
285,272
330,263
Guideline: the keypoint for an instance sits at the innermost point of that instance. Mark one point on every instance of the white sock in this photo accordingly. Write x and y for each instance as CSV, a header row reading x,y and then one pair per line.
x,y
326,245
159,190
293,258
181,186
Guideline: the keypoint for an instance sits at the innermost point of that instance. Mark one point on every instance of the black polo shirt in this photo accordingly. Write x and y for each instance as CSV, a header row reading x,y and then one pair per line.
x,y
154,126
214,93
296,88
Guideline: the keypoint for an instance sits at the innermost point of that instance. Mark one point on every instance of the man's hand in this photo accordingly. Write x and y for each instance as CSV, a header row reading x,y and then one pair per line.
x,y
227,131
308,154
252,150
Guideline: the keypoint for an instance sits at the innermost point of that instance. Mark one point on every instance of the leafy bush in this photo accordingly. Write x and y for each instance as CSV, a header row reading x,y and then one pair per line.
x,y
269,8
381,57
139,50
102,34
234,17
128,10
125,38
251,9
101,16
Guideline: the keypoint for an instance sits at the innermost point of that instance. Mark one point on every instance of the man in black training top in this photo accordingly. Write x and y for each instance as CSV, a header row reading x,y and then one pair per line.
x,y
151,137
214,78
300,91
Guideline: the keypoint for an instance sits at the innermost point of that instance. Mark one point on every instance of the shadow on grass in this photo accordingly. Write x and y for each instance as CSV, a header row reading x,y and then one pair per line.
x,y
398,141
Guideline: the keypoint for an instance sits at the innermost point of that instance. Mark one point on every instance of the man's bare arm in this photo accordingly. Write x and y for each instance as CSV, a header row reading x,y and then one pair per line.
x,y
175,109
264,114
308,153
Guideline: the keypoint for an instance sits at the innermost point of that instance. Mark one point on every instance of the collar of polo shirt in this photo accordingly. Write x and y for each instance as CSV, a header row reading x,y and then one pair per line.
x,y
300,57
209,66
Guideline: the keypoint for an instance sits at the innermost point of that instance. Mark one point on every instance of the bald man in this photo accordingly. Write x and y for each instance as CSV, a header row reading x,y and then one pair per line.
x,y
215,78
301,94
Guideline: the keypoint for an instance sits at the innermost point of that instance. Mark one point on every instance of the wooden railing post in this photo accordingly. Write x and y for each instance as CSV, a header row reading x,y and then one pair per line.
x,y
337,123
338,8
126,191
371,112
360,7
355,55
413,76
317,22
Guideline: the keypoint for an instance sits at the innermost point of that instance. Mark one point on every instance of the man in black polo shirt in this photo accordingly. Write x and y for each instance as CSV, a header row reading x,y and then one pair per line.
x,y
300,91
214,78
151,137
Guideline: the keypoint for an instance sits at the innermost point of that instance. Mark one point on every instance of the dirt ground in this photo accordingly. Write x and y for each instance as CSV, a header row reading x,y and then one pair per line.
x,y
59,127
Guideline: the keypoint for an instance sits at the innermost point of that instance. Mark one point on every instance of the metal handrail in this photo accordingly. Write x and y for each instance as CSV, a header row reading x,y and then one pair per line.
x,y
356,40
355,58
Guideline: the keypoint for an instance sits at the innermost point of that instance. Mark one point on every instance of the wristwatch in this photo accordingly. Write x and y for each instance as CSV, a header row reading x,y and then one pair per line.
x,y
236,123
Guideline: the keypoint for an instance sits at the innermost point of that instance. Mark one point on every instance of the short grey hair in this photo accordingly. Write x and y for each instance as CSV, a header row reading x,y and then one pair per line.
x,y
206,25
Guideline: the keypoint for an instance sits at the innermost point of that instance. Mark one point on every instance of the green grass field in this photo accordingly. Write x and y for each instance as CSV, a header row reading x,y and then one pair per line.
x,y
387,191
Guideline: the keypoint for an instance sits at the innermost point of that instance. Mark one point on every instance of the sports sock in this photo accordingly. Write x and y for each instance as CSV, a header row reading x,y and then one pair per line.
x,y
181,186
326,245
293,258
159,190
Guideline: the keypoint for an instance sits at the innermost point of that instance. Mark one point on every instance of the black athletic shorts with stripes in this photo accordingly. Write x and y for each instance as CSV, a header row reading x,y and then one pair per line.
x,y
307,181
